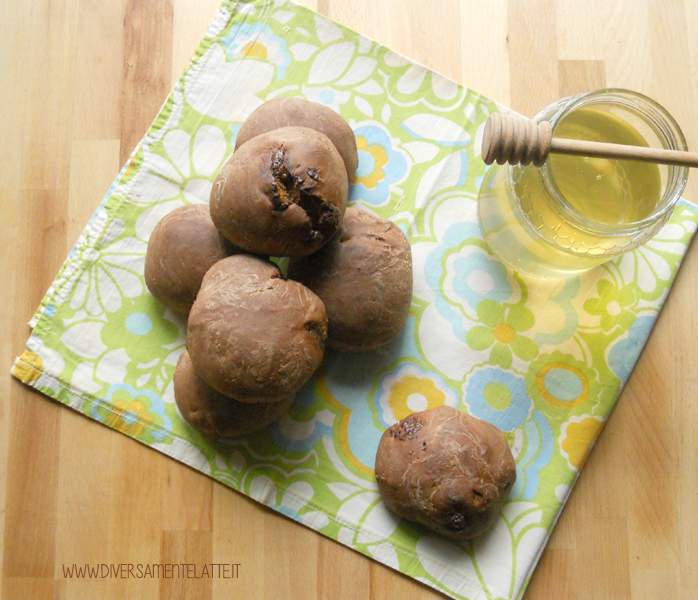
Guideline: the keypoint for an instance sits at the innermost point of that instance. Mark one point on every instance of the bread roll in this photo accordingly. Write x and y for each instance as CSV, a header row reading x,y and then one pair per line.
x,y
216,415
252,335
364,278
182,247
283,193
446,470
298,112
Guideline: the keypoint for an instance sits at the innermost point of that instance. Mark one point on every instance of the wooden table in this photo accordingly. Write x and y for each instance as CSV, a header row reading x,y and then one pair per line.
x,y
79,84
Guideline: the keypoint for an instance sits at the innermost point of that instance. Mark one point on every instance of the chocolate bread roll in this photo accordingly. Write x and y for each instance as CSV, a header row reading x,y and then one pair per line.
x,y
283,193
298,112
446,470
216,415
364,278
182,247
252,335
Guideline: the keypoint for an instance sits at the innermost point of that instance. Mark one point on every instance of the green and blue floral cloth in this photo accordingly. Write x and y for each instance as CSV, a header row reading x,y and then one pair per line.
x,y
545,362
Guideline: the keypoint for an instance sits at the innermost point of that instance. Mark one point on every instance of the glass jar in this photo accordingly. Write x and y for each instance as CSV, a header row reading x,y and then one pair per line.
x,y
574,213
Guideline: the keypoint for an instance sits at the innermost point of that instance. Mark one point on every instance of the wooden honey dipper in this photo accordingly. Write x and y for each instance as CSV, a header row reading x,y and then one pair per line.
x,y
522,141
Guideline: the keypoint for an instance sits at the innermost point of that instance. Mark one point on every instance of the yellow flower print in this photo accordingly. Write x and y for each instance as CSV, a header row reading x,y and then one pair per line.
x,y
129,417
139,413
411,394
409,389
578,438
133,161
254,49
373,159
559,381
579,385
39,366
257,40
29,367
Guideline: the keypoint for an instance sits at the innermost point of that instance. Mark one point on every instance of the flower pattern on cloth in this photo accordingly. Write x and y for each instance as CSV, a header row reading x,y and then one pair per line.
x,y
410,389
502,331
544,362
381,165
613,305
256,41
498,397
577,439
137,413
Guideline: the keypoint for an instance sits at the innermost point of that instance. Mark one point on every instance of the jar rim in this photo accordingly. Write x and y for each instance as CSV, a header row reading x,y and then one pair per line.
x,y
659,120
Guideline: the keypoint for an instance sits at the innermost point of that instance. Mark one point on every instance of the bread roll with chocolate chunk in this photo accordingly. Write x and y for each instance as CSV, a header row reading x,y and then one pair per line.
x,y
182,247
446,470
364,278
216,415
283,193
252,335
298,112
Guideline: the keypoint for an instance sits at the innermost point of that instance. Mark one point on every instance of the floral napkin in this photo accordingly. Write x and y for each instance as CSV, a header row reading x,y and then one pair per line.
x,y
545,362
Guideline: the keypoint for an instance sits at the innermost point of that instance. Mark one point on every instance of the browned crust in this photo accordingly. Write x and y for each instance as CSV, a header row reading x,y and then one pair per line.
x,y
182,247
447,470
281,194
253,336
216,415
298,112
364,277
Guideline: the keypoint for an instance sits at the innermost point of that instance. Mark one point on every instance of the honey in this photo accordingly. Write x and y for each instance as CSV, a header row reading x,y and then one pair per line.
x,y
605,190
578,212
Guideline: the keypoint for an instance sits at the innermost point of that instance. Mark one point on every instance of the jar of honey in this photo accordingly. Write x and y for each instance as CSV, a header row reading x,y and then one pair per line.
x,y
575,212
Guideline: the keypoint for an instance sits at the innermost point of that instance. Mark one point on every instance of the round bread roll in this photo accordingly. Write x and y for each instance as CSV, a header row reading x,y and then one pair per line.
x,y
216,415
283,193
446,470
182,247
364,278
298,112
252,335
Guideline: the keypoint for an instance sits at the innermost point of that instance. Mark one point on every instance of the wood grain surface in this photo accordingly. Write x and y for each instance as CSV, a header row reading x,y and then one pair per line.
x,y
81,80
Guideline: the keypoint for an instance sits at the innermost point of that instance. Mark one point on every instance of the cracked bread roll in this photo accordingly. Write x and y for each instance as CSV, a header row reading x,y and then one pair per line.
x,y
298,112
283,193
445,469
182,247
252,335
364,278
216,415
